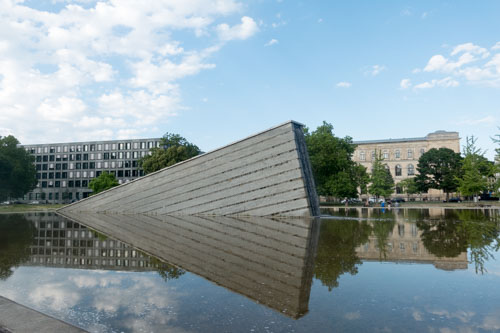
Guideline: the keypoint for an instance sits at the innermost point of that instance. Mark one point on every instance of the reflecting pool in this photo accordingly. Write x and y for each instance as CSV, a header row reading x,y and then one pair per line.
x,y
357,270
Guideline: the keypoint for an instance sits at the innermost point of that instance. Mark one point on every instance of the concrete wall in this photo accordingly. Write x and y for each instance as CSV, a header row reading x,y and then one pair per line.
x,y
267,260
265,174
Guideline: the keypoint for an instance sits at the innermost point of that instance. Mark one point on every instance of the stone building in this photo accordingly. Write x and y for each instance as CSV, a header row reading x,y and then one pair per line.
x,y
401,155
64,170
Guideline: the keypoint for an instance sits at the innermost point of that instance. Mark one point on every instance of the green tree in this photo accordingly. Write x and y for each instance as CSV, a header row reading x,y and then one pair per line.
x,y
408,186
173,149
17,171
439,169
382,183
475,170
335,173
104,182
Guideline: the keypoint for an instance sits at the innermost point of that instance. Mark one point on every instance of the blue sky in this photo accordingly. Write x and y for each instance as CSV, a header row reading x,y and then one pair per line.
x,y
217,71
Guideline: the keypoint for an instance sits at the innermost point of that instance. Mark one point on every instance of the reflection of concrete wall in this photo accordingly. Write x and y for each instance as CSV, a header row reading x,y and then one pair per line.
x,y
269,261
63,243
263,175
404,245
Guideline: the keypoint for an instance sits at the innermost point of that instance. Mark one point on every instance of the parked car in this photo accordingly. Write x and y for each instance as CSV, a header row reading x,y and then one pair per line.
x,y
351,201
6,203
398,200
374,200
455,199
34,202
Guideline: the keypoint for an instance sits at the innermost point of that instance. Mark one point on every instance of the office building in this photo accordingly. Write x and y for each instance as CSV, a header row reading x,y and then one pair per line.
x,y
401,155
64,170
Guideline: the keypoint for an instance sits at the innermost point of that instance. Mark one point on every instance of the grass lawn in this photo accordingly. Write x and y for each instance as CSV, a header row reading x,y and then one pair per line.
x,y
21,208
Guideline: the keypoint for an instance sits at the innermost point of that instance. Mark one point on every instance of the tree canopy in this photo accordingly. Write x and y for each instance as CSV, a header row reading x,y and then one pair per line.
x,y
104,182
382,183
17,171
475,170
439,169
408,186
335,173
173,149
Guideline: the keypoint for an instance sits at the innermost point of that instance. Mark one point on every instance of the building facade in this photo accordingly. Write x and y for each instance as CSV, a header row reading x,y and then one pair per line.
x,y
401,155
64,170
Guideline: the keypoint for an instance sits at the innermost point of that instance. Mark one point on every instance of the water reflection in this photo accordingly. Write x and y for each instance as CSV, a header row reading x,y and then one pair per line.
x,y
99,281
438,236
268,260
16,235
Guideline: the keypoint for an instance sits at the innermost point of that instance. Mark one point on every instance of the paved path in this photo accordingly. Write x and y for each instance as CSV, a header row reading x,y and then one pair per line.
x,y
16,318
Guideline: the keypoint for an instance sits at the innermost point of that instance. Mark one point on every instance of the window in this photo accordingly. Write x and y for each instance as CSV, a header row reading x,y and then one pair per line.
x,y
411,170
397,170
410,153
85,147
99,147
362,156
422,151
386,155
92,147
398,153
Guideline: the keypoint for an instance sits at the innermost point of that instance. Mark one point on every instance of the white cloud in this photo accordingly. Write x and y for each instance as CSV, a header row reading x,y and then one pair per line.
x,y
344,84
496,46
375,70
246,29
405,84
435,63
487,120
444,83
271,42
470,48
466,62
112,63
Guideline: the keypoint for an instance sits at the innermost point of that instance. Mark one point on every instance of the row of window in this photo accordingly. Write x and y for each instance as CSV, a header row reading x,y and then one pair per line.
x,y
87,174
398,170
92,156
86,165
385,154
93,147
91,262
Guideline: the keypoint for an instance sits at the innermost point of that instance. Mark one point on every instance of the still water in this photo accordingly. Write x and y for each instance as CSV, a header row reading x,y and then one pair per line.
x,y
359,270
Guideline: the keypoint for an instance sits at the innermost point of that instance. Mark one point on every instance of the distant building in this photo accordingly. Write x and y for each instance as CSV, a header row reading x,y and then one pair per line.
x,y
401,155
64,170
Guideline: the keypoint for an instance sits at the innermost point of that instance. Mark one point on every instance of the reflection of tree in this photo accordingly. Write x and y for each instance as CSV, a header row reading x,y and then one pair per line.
x,y
482,236
442,238
381,230
16,235
462,229
336,252
166,271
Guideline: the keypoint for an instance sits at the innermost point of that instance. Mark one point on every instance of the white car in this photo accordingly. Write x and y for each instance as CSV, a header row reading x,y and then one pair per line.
x,y
374,200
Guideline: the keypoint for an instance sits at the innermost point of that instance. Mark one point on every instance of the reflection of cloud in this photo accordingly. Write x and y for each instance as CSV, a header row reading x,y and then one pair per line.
x,y
142,301
492,321
417,315
463,316
55,296
89,281
352,315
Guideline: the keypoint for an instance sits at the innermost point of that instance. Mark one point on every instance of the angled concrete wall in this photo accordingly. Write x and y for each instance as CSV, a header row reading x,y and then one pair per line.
x,y
265,174
267,260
